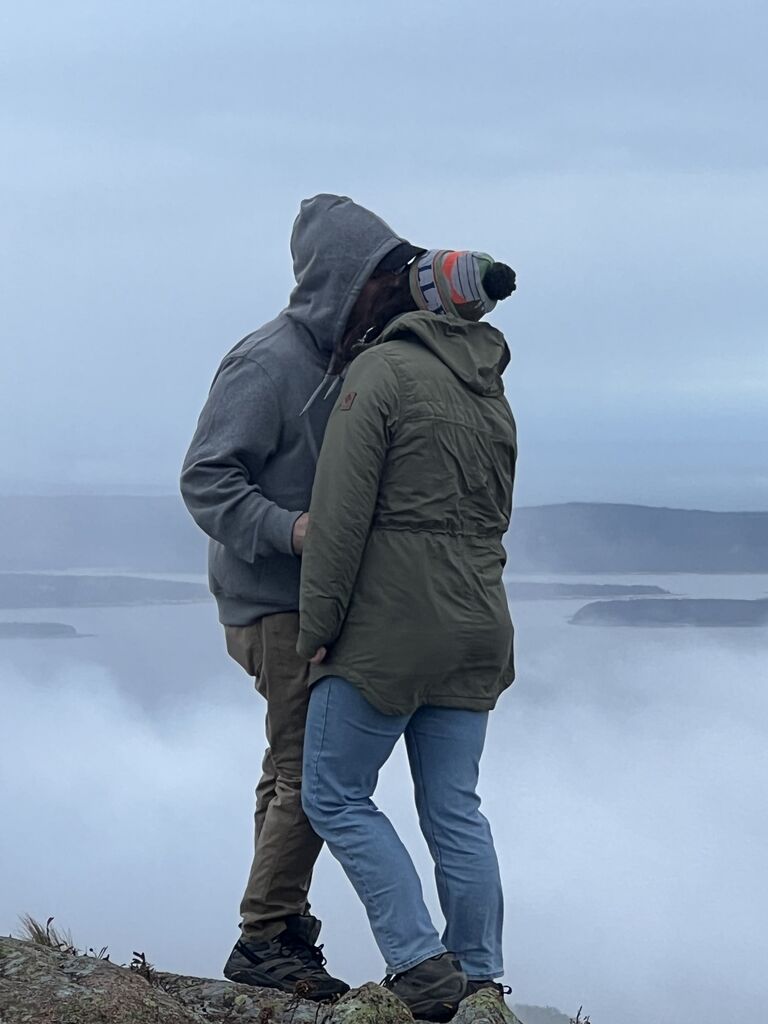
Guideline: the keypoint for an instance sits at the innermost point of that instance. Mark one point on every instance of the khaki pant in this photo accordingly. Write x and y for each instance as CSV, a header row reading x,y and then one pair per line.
x,y
285,848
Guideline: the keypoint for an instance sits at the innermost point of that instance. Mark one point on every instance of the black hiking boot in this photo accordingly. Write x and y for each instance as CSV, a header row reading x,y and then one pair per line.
x,y
431,990
306,926
500,990
291,962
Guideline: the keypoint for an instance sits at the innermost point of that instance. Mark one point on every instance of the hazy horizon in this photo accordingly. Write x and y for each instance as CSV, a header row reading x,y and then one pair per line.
x,y
99,491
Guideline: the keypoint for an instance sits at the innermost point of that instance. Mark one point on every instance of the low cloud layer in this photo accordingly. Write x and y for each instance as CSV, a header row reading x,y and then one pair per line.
x,y
625,782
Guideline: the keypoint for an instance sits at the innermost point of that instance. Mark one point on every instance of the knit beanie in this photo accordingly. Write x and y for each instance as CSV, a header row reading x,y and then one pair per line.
x,y
464,284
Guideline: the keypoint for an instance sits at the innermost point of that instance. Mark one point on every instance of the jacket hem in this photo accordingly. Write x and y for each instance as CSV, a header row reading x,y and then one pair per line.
x,y
235,611
421,699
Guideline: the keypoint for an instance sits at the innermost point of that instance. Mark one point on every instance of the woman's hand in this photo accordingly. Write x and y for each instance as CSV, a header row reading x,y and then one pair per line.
x,y
319,656
299,534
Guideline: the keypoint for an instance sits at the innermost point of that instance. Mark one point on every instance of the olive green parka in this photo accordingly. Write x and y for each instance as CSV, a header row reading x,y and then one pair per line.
x,y
402,568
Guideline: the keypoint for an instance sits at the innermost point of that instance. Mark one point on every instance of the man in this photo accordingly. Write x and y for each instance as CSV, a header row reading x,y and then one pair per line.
x,y
247,481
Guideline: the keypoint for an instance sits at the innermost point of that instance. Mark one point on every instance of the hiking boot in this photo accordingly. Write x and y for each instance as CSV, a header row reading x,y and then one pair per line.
x,y
306,926
431,990
476,986
290,962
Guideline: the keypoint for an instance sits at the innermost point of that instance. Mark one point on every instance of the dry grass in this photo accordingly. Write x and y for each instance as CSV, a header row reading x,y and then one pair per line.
x,y
48,935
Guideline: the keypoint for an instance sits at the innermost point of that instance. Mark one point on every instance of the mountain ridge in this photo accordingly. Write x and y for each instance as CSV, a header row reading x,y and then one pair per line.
x,y
157,534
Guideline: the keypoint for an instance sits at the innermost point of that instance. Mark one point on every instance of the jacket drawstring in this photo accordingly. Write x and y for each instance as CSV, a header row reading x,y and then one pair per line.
x,y
313,397
334,384
335,380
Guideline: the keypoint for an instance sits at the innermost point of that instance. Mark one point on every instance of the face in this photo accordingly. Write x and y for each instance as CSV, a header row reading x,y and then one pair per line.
x,y
382,298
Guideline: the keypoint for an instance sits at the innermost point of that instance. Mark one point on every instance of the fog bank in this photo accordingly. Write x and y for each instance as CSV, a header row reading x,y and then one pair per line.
x,y
626,797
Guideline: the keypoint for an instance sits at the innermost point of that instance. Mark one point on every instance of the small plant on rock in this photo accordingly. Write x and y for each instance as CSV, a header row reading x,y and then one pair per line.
x,y
47,935
53,938
141,966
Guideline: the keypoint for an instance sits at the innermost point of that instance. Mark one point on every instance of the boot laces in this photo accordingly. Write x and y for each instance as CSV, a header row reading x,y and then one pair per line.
x,y
294,945
496,986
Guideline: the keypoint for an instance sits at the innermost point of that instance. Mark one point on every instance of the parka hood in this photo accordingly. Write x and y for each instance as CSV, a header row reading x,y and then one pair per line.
x,y
336,245
476,353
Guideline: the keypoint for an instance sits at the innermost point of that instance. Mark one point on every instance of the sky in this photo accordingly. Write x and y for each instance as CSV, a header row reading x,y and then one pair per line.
x,y
614,154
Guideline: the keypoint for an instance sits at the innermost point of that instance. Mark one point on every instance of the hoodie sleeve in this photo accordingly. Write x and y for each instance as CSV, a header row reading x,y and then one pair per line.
x,y
240,421
344,498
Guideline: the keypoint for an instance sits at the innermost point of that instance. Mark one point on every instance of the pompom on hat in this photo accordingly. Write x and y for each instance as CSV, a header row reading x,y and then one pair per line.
x,y
465,284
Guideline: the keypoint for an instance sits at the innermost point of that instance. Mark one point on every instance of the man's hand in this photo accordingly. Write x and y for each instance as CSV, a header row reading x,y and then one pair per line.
x,y
319,656
300,533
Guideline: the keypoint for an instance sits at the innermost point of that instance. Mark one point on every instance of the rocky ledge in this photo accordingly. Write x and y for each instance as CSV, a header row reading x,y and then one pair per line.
x,y
43,985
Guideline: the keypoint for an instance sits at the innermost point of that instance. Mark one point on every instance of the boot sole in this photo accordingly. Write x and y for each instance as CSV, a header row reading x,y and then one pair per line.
x,y
439,1014
432,1008
251,976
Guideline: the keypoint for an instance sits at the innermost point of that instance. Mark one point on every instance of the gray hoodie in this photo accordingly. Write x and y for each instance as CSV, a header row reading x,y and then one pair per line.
x,y
248,474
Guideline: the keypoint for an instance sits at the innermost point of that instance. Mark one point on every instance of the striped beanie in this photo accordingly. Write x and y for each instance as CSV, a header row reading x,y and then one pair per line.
x,y
464,284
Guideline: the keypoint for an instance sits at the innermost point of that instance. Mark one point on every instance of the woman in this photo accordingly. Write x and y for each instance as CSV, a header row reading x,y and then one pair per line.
x,y
404,616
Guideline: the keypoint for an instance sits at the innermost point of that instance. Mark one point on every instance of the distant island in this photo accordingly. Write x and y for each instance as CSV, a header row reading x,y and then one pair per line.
x,y
39,590
38,631
587,537
704,612
525,590
157,534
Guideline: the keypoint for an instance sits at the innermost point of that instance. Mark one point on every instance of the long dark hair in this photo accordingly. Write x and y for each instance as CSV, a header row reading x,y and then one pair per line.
x,y
389,297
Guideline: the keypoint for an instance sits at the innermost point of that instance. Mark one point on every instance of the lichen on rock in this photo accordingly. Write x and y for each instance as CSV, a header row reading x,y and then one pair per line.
x,y
44,985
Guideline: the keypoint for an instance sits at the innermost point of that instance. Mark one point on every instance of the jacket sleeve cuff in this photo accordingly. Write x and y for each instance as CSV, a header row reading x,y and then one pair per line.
x,y
306,647
278,528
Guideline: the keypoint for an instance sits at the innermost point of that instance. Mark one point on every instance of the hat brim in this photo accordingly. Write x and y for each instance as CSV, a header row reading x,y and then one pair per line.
x,y
399,257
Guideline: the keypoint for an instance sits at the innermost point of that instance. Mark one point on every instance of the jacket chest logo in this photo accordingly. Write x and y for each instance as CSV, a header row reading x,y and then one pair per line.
x,y
348,401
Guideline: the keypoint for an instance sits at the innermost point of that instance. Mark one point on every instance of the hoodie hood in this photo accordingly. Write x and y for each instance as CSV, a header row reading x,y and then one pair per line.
x,y
475,352
336,245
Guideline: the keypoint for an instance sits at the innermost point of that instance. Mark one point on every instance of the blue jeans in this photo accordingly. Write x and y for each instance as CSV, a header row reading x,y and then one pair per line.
x,y
347,742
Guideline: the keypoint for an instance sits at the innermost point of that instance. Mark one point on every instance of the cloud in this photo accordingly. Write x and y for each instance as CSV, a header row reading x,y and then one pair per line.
x,y
624,779
632,830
